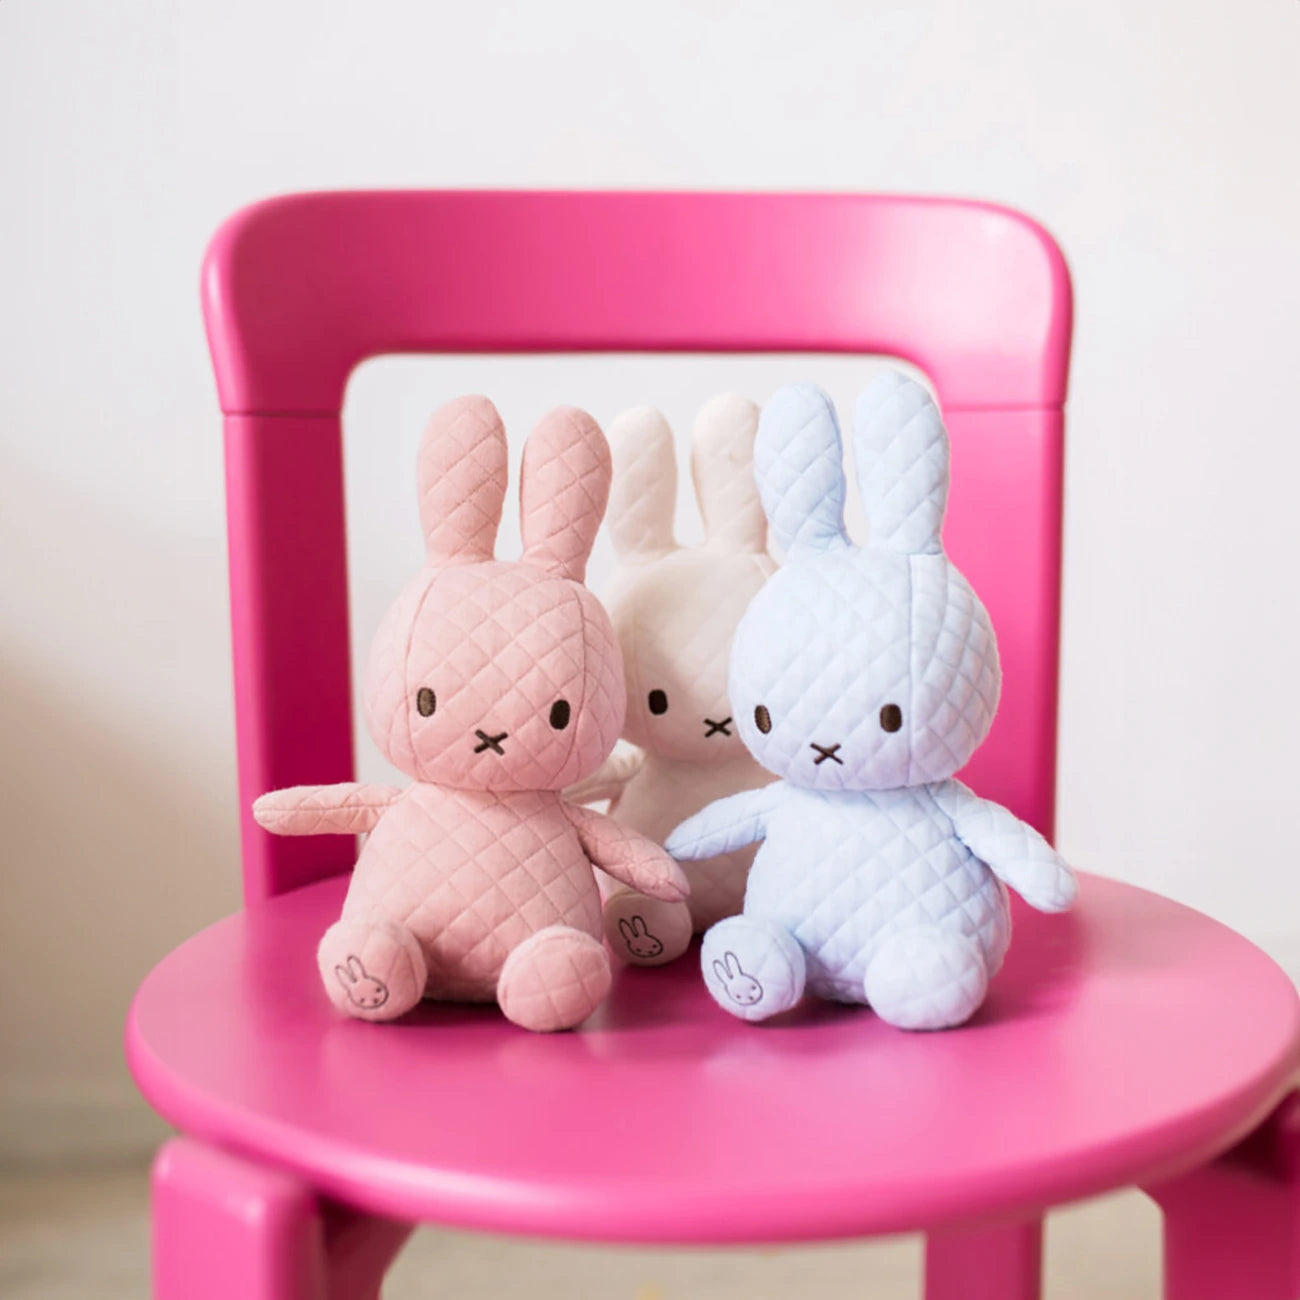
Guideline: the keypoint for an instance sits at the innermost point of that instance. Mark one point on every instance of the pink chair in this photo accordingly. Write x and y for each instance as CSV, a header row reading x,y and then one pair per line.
x,y
1133,1042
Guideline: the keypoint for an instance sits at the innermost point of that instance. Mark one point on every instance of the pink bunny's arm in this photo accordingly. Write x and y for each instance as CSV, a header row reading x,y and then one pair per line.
x,y
345,809
627,856
608,781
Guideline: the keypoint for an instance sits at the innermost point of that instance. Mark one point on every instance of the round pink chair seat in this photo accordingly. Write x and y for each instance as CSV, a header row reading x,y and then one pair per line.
x,y
1126,1042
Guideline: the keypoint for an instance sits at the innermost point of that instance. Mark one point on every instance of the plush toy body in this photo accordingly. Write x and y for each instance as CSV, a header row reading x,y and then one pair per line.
x,y
674,610
492,685
656,795
865,677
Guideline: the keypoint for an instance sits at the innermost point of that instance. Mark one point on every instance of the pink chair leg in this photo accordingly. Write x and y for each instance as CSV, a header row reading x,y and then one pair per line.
x,y
358,1250
1232,1228
225,1227
985,1264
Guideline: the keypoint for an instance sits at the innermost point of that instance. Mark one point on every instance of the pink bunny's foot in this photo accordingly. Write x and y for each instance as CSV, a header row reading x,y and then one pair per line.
x,y
372,970
753,968
554,980
647,931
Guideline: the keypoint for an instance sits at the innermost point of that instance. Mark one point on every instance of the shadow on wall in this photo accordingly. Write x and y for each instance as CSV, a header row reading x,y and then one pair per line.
x,y
116,749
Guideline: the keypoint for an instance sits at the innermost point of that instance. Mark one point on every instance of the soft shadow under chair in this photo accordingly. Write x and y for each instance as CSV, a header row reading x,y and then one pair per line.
x,y
1132,1042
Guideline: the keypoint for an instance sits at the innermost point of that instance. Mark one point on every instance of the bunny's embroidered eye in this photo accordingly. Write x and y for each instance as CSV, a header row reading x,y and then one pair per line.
x,y
657,701
425,701
560,713
763,719
891,717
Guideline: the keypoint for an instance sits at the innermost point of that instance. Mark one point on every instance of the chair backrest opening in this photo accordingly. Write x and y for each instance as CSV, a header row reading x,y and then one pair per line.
x,y
298,291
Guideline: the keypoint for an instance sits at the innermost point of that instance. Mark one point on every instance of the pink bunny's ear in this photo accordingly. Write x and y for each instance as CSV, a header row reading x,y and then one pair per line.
x,y
563,488
461,475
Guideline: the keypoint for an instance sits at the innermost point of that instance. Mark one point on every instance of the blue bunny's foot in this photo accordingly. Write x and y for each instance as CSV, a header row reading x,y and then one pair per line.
x,y
753,968
927,979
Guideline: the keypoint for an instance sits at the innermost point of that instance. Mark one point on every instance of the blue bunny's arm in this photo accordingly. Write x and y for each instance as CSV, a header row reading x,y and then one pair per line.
x,y
1016,853
724,825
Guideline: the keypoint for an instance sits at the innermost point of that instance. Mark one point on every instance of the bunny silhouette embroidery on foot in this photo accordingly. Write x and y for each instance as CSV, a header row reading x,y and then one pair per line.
x,y
744,990
640,942
865,677
362,990
492,685
674,609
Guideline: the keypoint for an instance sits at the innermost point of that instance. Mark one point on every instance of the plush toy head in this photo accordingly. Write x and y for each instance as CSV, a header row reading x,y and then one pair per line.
x,y
675,608
861,667
489,675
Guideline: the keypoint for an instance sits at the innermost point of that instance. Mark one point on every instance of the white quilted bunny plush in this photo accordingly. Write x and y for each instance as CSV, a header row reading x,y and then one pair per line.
x,y
864,677
674,610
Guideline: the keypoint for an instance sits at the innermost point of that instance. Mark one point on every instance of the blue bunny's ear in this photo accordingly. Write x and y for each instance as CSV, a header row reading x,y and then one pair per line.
x,y
799,466
901,449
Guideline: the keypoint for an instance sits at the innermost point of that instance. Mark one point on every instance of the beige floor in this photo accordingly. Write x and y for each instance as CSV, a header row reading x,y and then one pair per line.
x,y
83,1236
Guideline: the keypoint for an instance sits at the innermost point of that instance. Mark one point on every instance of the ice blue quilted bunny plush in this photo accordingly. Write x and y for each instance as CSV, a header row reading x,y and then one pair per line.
x,y
864,677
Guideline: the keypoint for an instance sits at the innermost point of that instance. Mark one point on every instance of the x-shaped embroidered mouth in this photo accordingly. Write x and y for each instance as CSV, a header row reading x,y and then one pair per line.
x,y
724,727
491,742
824,752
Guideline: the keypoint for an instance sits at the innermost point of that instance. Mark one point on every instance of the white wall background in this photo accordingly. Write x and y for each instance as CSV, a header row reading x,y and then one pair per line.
x,y
1158,141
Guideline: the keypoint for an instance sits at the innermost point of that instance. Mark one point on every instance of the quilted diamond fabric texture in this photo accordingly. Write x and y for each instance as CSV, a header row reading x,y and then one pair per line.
x,y
350,809
845,872
549,972
492,684
674,610
877,674
502,867
801,475
499,644
904,481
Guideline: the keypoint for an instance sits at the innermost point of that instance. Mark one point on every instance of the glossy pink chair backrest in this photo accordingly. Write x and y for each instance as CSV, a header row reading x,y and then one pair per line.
x,y
297,291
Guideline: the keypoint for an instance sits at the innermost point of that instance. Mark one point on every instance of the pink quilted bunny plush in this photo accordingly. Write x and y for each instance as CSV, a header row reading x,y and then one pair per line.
x,y
492,685
674,610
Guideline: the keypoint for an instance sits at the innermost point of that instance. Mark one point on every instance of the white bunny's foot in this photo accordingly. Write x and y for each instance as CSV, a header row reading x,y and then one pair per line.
x,y
646,931
926,979
374,970
753,968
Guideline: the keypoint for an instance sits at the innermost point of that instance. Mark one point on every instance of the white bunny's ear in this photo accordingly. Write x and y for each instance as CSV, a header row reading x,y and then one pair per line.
x,y
799,465
461,478
902,453
643,496
563,488
722,465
